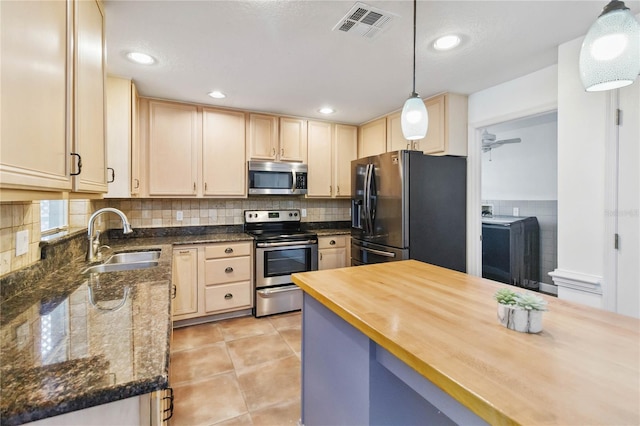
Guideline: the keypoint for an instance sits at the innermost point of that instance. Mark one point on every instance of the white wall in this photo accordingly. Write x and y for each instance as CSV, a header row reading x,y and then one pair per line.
x,y
525,170
531,94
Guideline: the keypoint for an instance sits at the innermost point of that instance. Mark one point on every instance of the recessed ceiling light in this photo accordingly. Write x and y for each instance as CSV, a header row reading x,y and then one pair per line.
x,y
140,58
326,110
217,94
446,42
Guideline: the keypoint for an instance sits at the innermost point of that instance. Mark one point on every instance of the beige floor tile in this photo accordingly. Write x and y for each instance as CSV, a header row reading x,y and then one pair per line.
x,y
195,336
271,382
285,321
238,328
293,337
243,420
208,402
199,363
287,413
257,349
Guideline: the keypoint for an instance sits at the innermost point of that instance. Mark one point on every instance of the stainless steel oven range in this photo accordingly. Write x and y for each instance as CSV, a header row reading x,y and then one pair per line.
x,y
282,249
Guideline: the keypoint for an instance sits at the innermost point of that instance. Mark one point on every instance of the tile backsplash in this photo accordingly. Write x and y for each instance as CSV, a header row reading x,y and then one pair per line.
x,y
14,217
154,213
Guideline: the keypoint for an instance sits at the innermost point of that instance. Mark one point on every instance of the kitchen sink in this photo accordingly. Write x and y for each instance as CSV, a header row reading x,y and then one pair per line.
x,y
115,267
133,256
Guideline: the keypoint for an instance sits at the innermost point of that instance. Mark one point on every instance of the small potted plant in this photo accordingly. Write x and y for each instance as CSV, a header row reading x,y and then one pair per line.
x,y
520,311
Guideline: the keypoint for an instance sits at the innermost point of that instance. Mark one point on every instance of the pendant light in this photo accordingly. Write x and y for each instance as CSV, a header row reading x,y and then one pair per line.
x,y
610,54
414,119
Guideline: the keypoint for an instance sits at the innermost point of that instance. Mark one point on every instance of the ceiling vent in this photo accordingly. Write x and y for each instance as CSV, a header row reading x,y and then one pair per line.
x,y
364,21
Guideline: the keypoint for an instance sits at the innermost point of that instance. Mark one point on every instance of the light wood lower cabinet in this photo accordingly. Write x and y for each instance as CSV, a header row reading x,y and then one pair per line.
x,y
212,279
185,282
332,251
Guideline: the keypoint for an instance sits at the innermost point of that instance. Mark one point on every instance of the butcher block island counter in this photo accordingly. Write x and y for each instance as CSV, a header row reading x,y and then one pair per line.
x,y
412,343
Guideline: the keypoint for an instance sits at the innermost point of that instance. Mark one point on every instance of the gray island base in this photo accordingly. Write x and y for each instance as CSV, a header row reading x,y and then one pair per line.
x,y
348,379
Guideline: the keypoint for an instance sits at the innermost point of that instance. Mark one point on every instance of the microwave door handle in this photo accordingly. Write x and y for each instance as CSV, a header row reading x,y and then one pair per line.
x,y
293,186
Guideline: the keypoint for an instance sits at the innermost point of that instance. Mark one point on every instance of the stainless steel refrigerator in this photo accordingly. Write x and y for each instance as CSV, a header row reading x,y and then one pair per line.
x,y
407,205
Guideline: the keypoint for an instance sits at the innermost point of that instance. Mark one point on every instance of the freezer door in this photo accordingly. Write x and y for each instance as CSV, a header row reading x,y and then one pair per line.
x,y
363,253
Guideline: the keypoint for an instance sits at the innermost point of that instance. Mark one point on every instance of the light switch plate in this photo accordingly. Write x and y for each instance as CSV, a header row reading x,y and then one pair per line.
x,y
179,215
516,211
22,242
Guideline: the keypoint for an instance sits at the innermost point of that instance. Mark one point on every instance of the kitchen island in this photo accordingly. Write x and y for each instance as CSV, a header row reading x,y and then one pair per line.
x,y
412,343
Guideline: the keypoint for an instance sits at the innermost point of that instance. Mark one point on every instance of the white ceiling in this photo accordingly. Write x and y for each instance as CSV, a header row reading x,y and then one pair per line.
x,y
283,57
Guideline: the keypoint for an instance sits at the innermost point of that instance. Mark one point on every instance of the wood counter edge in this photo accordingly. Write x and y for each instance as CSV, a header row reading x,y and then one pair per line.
x,y
457,391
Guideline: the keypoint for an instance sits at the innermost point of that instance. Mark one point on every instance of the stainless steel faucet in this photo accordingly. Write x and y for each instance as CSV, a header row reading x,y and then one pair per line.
x,y
94,242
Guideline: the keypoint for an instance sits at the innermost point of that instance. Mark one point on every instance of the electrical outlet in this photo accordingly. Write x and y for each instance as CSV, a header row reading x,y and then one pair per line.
x,y
22,242
303,212
516,211
179,215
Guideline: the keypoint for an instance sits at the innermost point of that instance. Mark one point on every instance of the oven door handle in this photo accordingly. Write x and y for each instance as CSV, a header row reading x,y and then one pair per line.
x,y
272,292
288,243
378,252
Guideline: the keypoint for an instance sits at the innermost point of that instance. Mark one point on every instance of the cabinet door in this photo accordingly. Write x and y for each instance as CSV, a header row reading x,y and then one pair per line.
x,y
185,281
136,169
332,258
172,149
435,142
263,137
293,139
89,112
319,146
35,95
346,150
395,137
223,153
118,136
372,138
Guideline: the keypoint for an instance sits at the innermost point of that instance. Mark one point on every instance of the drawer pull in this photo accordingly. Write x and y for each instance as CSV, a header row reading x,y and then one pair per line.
x,y
228,296
332,242
174,292
228,250
228,269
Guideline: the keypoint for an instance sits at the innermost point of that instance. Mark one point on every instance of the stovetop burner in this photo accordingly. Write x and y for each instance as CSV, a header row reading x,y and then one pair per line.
x,y
275,225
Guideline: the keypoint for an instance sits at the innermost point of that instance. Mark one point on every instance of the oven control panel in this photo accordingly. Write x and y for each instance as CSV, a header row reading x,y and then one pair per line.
x,y
261,216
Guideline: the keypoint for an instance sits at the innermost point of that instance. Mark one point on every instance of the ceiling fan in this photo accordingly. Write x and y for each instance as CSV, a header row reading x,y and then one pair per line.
x,y
489,141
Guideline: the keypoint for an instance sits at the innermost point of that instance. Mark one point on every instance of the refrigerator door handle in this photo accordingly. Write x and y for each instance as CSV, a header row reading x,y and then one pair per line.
x,y
367,199
378,252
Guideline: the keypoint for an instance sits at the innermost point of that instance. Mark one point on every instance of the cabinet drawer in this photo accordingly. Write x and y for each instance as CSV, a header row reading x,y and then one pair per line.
x,y
338,241
219,271
228,296
227,250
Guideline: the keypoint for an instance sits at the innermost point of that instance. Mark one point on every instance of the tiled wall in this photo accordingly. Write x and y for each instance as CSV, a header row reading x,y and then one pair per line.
x,y
153,213
14,217
547,213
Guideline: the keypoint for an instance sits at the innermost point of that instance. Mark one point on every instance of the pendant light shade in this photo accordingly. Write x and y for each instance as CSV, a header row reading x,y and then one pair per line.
x,y
610,54
414,119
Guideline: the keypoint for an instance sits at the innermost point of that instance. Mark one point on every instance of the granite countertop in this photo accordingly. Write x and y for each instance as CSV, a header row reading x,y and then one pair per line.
x,y
332,231
70,341
581,369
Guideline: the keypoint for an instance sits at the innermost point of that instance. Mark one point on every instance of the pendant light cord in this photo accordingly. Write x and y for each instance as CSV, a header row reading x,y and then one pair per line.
x,y
413,93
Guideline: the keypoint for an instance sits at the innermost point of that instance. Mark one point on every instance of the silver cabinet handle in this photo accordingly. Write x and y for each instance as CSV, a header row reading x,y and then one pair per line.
x,y
184,252
228,250
378,252
228,269
332,242
228,296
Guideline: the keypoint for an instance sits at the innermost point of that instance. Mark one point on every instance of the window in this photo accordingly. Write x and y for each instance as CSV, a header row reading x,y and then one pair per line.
x,y
53,216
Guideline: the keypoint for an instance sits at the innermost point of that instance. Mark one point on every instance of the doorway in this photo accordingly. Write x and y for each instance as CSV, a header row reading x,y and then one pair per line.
x,y
519,180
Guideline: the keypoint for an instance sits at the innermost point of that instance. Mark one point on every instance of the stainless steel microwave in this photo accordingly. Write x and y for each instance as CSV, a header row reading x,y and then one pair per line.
x,y
272,178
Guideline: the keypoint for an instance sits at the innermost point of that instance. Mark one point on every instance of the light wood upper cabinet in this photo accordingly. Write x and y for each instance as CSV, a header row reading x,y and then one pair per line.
x,y
223,153
320,156
120,131
372,138
262,133
172,153
395,137
447,132
345,143
136,154
89,112
293,140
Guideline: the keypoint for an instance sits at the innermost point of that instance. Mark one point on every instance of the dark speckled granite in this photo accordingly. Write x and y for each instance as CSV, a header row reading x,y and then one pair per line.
x,y
61,347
